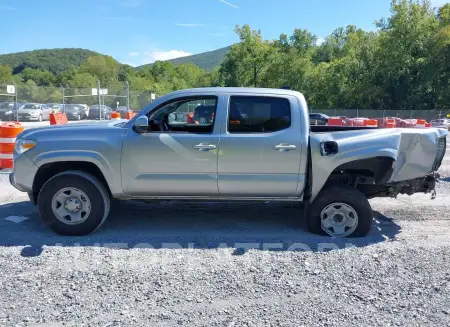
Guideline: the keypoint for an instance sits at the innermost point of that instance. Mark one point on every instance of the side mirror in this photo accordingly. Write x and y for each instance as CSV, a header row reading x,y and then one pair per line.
x,y
141,124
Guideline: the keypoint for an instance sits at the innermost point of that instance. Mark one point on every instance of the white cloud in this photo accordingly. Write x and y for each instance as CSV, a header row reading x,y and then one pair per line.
x,y
148,57
229,4
167,55
320,40
189,25
7,8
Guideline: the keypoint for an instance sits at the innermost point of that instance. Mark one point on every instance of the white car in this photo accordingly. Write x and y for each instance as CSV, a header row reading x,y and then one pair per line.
x,y
441,123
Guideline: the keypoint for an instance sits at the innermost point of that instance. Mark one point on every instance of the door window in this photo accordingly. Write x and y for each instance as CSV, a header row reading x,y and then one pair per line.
x,y
194,115
249,114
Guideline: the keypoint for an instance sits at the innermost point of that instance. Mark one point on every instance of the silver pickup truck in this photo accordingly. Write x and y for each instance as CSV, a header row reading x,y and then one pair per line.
x,y
223,144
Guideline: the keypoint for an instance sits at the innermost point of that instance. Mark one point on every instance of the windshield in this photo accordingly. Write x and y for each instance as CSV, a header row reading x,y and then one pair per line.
x,y
31,106
71,107
6,105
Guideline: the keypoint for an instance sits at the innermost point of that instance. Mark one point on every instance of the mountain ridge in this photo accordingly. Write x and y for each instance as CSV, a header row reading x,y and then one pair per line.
x,y
58,60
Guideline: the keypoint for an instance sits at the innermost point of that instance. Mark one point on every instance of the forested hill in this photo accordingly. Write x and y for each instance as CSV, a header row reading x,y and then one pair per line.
x,y
53,60
59,60
206,60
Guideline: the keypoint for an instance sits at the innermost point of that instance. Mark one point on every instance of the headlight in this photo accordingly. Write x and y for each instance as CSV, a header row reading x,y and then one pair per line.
x,y
22,146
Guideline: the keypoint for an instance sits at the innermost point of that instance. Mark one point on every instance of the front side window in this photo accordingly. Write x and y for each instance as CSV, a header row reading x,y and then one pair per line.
x,y
193,114
249,114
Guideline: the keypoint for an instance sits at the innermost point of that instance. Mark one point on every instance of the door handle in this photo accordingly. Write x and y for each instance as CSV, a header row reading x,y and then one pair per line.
x,y
204,147
284,147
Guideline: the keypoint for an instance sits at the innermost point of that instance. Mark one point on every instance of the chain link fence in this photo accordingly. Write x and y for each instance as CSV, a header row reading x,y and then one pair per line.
x,y
15,100
428,115
119,97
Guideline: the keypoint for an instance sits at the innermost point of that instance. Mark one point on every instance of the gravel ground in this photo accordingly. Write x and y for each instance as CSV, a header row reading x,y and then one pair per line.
x,y
171,264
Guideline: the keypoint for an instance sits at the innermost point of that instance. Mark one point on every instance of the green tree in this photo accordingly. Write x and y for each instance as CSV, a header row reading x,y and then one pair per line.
x,y
189,73
105,68
5,74
248,60
444,15
163,71
39,76
403,56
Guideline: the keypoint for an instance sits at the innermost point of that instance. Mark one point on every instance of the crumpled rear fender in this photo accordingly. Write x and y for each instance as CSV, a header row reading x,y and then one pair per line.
x,y
413,151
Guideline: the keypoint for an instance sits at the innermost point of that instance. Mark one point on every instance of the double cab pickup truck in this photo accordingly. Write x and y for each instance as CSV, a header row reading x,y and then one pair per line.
x,y
252,145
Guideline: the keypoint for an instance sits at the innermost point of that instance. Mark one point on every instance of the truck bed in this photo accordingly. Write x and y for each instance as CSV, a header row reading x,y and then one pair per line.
x,y
327,128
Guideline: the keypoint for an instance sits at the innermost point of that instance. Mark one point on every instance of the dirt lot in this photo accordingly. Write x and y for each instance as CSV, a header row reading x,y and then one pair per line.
x,y
173,264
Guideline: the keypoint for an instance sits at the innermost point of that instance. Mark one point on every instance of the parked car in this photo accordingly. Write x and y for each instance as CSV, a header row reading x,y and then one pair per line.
x,y
318,119
96,113
123,110
441,123
259,147
7,111
56,107
34,111
203,114
85,109
74,111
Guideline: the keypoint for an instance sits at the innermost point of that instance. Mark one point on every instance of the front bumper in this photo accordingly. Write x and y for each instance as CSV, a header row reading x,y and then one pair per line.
x,y
28,117
23,174
12,181
73,116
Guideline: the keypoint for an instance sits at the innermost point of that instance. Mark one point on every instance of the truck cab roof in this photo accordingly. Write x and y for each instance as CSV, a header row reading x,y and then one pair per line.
x,y
238,90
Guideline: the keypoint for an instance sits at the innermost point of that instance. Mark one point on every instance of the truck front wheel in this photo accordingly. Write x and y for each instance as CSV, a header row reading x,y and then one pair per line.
x,y
73,203
340,211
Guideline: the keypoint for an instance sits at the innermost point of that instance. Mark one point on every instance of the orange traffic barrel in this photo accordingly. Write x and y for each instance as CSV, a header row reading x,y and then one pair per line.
x,y
115,115
390,123
8,134
371,123
421,123
335,121
130,114
58,118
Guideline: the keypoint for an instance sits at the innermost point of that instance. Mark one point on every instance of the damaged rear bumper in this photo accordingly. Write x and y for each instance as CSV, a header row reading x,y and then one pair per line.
x,y
425,184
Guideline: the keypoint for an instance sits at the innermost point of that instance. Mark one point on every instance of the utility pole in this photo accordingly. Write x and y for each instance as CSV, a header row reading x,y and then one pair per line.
x,y
99,99
63,98
15,101
127,89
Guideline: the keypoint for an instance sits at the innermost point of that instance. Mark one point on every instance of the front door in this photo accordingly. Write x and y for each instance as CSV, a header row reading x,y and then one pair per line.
x,y
260,147
178,154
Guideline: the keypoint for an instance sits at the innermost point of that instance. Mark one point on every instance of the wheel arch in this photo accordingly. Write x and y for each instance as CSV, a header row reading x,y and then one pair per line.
x,y
49,170
378,167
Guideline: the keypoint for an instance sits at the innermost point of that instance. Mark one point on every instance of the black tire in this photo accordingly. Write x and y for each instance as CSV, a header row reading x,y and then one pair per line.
x,y
96,192
346,195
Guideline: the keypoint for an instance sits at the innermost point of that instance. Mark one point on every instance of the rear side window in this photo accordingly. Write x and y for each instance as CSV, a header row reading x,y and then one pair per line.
x,y
249,114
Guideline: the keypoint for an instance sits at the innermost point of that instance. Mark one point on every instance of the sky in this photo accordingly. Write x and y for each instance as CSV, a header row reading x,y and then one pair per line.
x,y
138,32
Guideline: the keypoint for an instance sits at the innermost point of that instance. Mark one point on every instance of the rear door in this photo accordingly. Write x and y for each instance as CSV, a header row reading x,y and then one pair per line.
x,y
260,147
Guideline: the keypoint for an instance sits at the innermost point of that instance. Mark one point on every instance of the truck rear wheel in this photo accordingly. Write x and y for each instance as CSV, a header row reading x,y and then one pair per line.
x,y
340,211
73,203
